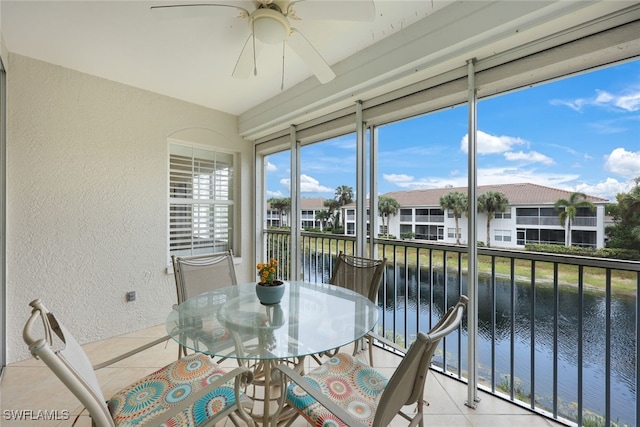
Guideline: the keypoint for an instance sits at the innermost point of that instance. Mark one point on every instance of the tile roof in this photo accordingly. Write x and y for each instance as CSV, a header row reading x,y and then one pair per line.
x,y
308,203
312,203
518,194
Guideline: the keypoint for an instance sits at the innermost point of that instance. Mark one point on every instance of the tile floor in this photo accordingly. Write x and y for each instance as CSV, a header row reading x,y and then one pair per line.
x,y
29,385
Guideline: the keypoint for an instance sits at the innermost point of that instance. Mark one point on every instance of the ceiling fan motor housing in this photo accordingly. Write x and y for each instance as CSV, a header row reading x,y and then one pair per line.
x,y
270,26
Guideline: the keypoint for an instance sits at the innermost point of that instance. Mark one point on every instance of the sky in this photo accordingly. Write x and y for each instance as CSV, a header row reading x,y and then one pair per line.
x,y
578,134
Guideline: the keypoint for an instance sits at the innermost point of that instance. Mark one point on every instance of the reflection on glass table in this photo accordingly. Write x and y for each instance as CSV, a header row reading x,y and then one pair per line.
x,y
310,319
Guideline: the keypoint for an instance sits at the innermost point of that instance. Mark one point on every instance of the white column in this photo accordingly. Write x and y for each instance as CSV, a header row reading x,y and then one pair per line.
x,y
295,205
373,188
472,239
361,184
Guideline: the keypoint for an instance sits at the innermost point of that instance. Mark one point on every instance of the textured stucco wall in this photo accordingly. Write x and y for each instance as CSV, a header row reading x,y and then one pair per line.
x,y
87,198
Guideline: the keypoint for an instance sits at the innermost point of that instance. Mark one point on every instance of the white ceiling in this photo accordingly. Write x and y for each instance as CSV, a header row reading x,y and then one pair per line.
x,y
192,58
186,57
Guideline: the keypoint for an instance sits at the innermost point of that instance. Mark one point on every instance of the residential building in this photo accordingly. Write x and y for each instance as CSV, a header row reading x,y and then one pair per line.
x,y
530,218
309,208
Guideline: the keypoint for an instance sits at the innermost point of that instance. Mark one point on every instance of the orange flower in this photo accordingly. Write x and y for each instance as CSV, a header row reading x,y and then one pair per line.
x,y
267,271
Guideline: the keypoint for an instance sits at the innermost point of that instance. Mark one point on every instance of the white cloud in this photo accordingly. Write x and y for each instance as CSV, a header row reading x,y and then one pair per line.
x,y
629,101
530,157
276,194
491,144
623,162
606,189
308,184
410,182
487,176
397,179
271,167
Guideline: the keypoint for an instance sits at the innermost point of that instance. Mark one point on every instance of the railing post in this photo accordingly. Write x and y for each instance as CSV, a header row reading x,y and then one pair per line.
x,y
472,283
295,203
361,179
373,191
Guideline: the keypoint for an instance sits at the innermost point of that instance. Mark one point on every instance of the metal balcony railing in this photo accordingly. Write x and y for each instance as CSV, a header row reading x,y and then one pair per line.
x,y
585,221
557,334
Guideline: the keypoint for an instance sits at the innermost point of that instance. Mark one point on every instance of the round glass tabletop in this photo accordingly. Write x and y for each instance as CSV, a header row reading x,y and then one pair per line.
x,y
311,318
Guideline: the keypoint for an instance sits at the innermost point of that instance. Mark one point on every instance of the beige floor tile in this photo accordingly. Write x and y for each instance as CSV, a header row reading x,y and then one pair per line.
x,y
521,420
19,385
446,421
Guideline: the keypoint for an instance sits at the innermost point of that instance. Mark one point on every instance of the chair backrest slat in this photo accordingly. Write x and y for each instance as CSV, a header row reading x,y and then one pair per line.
x,y
362,275
197,274
406,386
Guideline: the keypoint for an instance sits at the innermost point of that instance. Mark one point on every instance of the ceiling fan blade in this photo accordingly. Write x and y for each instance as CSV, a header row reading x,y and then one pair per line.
x,y
310,56
196,10
335,10
246,61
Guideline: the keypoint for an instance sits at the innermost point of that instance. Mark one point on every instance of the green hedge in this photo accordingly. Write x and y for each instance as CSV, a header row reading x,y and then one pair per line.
x,y
613,253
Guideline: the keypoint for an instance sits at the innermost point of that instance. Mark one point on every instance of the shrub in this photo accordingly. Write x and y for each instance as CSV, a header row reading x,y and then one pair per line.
x,y
611,253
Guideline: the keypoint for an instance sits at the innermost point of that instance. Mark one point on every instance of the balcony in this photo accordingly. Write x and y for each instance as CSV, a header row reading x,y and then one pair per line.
x,y
445,395
550,326
535,220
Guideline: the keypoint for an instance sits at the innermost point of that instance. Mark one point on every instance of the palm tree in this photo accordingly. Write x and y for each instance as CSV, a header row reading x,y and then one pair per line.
x,y
283,205
457,203
492,202
322,216
570,209
344,196
334,211
387,206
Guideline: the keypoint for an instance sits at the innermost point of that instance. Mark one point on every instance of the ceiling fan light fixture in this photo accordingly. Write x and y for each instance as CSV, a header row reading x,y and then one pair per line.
x,y
270,26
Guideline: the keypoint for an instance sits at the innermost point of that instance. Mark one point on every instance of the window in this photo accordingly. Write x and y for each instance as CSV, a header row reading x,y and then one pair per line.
x,y
502,235
502,215
351,229
451,233
200,200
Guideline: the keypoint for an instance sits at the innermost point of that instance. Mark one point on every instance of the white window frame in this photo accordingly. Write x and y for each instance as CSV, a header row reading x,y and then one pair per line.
x,y
202,219
502,215
502,235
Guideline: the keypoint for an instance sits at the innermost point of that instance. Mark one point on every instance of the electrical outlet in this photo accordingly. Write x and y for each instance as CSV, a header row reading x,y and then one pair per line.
x,y
131,296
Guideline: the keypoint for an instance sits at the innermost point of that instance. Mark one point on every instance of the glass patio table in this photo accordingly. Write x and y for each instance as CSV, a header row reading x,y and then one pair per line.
x,y
311,318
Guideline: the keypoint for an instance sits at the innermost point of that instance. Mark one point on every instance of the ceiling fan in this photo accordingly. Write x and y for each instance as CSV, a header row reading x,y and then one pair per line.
x,y
270,23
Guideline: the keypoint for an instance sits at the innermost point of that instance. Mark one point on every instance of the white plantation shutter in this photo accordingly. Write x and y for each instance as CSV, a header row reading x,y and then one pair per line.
x,y
200,200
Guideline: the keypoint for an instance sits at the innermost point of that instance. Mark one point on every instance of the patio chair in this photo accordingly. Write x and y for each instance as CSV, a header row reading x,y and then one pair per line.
x,y
193,391
362,275
201,273
346,391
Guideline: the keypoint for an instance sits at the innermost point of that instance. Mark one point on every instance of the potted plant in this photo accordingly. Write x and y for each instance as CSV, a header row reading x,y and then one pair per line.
x,y
269,289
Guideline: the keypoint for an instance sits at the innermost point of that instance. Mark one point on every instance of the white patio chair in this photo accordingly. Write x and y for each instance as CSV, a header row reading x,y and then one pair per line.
x,y
201,273
346,391
192,391
362,275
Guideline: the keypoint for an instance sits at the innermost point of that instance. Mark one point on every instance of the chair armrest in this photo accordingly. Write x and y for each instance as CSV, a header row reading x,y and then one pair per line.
x,y
316,394
387,343
130,353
